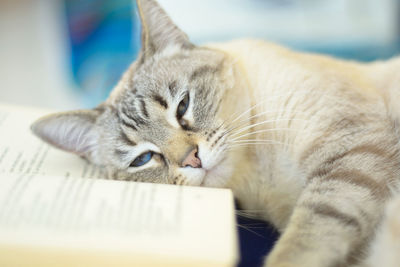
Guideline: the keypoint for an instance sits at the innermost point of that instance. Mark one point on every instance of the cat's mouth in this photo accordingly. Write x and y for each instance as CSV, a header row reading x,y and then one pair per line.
x,y
214,174
208,172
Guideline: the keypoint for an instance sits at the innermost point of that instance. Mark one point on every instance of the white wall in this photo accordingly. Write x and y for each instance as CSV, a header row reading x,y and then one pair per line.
x,y
34,55
324,22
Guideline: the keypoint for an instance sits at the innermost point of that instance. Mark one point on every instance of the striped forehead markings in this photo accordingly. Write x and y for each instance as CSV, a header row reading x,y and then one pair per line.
x,y
205,70
143,108
172,87
125,138
160,100
125,122
137,118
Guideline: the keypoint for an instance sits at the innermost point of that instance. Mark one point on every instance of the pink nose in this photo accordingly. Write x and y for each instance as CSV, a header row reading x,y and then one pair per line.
x,y
192,160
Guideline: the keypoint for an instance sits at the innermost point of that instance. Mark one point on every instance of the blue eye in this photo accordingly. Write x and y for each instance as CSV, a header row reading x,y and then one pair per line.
x,y
142,159
182,107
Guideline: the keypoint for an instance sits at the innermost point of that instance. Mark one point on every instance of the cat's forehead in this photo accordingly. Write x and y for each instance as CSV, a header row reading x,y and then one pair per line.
x,y
150,93
174,69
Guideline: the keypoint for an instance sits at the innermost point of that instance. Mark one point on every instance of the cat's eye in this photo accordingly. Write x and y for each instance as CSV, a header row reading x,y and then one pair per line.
x,y
182,107
142,159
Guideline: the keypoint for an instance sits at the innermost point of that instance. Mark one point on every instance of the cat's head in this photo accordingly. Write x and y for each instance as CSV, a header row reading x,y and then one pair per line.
x,y
164,121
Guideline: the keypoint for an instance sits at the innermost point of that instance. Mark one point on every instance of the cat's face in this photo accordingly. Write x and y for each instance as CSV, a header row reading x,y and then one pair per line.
x,y
166,125
164,121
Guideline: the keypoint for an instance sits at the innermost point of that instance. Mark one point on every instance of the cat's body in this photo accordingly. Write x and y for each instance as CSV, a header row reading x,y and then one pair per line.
x,y
307,142
310,98
324,117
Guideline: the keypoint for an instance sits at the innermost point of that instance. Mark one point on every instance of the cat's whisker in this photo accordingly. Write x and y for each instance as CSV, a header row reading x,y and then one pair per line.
x,y
265,122
254,226
263,131
249,210
255,142
266,101
221,124
232,146
245,121
248,229
249,141
237,147
241,126
298,93
294,113
276,97
253,215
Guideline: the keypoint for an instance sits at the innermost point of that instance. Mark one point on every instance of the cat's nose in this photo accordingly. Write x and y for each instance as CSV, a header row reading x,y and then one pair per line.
x,y
192,159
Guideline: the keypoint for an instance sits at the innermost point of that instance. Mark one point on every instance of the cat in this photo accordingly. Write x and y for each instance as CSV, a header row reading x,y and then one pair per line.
x,y
385,249
306,142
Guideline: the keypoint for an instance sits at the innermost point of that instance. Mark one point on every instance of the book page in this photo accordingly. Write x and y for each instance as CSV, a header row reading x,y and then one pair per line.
x,y
132,220
23,153
55,212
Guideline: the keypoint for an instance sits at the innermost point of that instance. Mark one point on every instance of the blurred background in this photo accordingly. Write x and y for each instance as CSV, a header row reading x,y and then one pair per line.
x,y
65,54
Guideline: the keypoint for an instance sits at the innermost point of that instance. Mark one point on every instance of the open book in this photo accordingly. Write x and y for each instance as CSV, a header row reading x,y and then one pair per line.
x,y
54,211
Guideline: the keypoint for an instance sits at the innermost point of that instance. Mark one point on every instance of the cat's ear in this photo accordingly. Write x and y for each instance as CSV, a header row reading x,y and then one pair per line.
x,y
72,131
158,30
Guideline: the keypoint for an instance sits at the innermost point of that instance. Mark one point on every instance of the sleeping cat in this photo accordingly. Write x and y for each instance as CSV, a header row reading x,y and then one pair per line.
x,y
306,142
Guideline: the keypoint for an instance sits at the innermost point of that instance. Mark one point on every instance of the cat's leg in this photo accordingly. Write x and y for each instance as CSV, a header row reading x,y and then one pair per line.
x,y
325,231
341,205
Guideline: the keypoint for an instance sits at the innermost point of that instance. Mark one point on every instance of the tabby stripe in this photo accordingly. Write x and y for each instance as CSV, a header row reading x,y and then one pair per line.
x,y
328,211
161,101
172,88
129,125
356,177
126,123
315,146
127,115
361,149
204,70
121,153
214,108
140,121
320,142
137,120
327,166
358,252
143,108
126,139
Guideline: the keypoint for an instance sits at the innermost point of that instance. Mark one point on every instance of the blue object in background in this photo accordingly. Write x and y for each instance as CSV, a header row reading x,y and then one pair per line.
x,y
104,40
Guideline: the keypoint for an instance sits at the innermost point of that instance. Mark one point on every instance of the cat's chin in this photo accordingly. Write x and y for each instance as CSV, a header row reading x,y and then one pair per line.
x,y
218,175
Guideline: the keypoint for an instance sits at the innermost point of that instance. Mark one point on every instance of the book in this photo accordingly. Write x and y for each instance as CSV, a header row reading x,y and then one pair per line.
x,y
55,210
